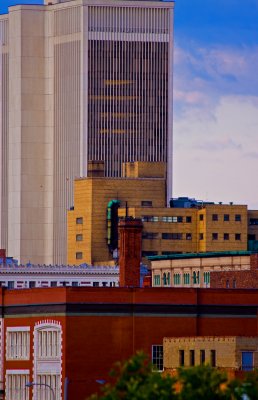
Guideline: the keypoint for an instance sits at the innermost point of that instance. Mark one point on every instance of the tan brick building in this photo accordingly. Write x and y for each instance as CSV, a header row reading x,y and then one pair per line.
x,y
228,352
141,193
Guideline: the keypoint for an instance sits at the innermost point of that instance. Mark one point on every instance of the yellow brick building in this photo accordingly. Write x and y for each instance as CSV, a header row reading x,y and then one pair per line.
x,y
229,352
141,193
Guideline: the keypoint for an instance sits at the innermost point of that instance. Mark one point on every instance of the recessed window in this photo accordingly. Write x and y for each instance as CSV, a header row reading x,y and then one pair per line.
x,y
181,358
238,236
18,343
201,217
192,358
227,284
172,236
146,203
238,217
157,357
247,360
150,218
75,284
79,237
251,237
79,220
53,284
150,235
188,219
32,284
234,284
253,221
95,284
215,217
215,236
226,236
226,217
79,255
202,357
188,236
200,236
156,280
213,358
10,284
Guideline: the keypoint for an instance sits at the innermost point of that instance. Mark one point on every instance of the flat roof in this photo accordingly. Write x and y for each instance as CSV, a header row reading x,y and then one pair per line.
x,y
179,256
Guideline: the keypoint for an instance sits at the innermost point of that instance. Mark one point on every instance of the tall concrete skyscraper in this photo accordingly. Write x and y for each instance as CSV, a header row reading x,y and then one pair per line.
x,y
79,80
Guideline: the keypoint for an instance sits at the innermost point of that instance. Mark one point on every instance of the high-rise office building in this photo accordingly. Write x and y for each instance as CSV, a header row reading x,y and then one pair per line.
x,y
79,81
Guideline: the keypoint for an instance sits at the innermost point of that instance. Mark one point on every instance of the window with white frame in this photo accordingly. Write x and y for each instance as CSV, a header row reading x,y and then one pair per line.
x,y
47,384
18,343
49,343
15,385
157,357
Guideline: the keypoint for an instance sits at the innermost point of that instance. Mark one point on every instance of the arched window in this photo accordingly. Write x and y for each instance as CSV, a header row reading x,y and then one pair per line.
x,y
168,278
194,278
164,279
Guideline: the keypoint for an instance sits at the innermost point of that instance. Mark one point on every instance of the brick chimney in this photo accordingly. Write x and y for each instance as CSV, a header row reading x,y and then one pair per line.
x,y
130,235
3,254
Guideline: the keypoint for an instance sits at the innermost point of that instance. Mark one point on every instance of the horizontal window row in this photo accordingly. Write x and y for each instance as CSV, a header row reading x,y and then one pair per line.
x,y
167,236
225,236
203,358
179,278
174,219
225,217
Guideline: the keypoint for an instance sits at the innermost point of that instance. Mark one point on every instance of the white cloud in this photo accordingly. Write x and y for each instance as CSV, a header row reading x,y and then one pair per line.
x,y
215,154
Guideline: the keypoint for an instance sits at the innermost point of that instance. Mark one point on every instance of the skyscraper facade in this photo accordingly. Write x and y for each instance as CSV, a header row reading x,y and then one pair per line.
x,y
79,81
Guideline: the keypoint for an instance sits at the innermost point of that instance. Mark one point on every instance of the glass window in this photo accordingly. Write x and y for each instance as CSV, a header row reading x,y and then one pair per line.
x,y
188,236
247,360
181,358
18,343
226,236
79,237
226,217
253,221
156,280
32,284
215,217
146,203
238,236
53,284
79,255
200,236
213,358
214,236
79,220
157,357
192,358
188,219
238,217
201,217
202,357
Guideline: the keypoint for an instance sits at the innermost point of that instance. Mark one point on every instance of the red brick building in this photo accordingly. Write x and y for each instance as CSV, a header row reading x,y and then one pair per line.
x,y
70,337
247,279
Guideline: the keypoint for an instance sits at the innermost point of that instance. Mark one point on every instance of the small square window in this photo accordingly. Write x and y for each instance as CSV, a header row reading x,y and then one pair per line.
x,y
201,217
200,236
53,283
79,255
215,217
188,236
95,284
226,217
238,236
146,203
226,236
75,284
179,219
215,236
238,217
188,219
79,237
79,220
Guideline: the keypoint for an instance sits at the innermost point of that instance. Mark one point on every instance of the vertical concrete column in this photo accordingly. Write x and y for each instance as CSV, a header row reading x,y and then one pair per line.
x,y
130,231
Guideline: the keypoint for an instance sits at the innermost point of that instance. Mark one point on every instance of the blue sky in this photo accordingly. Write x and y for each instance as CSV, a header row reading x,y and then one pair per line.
x,y
215,99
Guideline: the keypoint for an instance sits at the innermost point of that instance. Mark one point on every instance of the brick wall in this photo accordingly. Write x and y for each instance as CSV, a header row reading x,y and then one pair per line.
x,y
247,279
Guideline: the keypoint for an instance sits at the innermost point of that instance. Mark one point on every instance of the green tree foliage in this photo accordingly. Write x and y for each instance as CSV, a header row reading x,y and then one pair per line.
x,y
136,380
